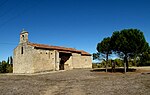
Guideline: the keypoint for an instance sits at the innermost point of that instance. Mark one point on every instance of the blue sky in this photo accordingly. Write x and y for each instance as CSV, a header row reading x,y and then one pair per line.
x,y
79,24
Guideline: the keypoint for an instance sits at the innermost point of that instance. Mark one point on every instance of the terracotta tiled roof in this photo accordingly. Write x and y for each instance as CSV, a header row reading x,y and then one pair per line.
x,y
84,53
43,46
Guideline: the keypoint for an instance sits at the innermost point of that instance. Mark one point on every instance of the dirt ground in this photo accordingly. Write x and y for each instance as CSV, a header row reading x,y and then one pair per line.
x,y
76,82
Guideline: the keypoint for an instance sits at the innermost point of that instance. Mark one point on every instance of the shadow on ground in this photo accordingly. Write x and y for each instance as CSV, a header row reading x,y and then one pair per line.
x,y
121,70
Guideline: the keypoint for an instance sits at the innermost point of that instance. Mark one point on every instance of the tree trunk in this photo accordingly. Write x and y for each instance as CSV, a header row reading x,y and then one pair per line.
x,y
126,66
106,62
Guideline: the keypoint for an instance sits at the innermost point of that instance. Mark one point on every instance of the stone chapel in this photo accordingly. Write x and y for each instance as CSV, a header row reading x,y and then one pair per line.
x,y
31,57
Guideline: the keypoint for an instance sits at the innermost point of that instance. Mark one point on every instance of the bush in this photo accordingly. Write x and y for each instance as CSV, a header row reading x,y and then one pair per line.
x,y
94,65
6,67
97,65
147,63
9,68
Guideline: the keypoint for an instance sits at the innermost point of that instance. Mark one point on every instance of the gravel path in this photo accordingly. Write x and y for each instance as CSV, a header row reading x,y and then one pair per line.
x,y
76,82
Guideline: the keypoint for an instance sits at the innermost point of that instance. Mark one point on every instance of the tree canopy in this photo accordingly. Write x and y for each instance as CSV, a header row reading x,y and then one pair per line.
x,y
126,43
129,41
103,48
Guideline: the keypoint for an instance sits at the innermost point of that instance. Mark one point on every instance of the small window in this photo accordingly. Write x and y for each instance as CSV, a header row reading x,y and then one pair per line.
x,y
21,50
23,37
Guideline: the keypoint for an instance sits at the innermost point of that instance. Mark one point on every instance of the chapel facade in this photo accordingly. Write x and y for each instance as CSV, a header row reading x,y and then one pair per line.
x,y
31,57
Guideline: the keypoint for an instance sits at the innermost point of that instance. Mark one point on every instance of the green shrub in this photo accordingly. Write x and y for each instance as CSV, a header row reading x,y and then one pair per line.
x,y
5,67
9,68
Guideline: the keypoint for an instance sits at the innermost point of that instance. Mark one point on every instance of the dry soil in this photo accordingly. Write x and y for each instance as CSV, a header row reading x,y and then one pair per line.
x,y
76,82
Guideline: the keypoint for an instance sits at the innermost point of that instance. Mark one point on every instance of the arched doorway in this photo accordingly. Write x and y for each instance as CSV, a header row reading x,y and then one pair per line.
x,y
63,58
